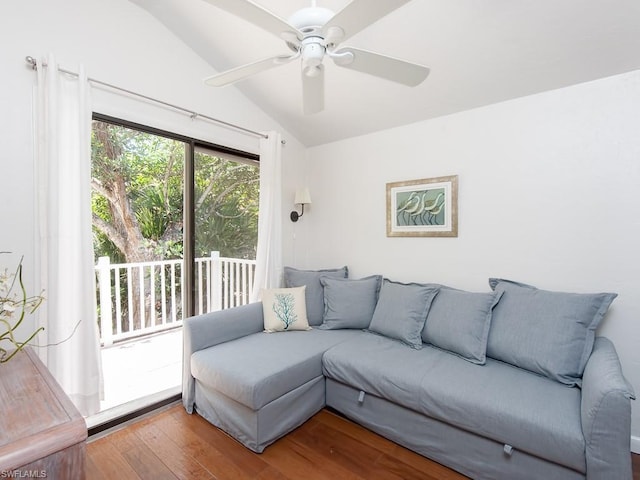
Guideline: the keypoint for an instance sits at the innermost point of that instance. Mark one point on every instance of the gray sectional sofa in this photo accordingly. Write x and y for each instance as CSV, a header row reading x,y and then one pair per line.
x,y
508,383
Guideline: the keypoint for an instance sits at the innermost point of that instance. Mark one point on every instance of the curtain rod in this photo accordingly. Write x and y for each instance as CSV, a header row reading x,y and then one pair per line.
x,y
33,64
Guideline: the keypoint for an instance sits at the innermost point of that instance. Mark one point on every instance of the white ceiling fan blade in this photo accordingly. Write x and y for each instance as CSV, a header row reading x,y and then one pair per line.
x,y
410,74
244,71
356,16
313,90
257,15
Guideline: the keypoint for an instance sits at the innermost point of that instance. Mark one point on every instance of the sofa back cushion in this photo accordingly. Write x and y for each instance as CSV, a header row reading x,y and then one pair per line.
x,y
314,293
402,310
349,303
459,322
549,333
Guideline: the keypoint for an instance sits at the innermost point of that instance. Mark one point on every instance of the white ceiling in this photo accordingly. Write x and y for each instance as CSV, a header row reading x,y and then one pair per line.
x,y
479,51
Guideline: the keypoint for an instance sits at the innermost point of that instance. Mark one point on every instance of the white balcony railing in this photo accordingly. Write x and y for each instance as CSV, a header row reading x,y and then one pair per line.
x,y
140,298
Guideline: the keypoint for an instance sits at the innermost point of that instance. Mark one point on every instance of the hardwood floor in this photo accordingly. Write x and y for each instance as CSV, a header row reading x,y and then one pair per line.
x,y
174,445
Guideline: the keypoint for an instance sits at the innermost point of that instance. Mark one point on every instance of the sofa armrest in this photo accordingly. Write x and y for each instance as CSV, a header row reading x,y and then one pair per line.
x,y
210,329
606,414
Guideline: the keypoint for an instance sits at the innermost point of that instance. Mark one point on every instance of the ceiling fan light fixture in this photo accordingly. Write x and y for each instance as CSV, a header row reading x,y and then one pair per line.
x,y
313,51
312,54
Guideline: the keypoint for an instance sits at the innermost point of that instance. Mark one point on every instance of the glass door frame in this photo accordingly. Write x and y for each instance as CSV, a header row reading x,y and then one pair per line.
x,y
188,233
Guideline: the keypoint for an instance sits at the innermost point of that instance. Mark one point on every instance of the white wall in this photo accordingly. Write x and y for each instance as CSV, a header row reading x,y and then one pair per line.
x,y
548,195
118,43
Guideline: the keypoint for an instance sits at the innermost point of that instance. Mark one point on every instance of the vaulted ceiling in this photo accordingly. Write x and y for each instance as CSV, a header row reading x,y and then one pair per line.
x,y
479,51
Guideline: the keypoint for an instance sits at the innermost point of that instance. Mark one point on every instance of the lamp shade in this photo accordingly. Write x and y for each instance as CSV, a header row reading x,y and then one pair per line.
x,y
302,196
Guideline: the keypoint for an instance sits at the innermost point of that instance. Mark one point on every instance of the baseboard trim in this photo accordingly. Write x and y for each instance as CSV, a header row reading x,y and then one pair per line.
x,y
635,444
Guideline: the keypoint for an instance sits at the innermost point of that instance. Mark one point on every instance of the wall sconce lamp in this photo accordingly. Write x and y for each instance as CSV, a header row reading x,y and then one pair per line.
x,y
302,198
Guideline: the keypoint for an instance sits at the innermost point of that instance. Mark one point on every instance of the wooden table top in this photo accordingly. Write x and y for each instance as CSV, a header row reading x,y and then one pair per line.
x,y
36,416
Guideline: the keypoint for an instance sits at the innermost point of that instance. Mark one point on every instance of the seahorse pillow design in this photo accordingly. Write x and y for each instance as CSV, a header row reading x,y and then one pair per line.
x,y
284,309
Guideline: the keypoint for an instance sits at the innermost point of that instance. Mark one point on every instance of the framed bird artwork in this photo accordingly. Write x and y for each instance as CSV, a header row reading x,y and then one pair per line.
x,y
423,208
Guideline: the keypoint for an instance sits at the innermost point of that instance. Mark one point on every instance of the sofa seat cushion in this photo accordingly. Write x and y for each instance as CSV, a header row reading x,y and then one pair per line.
x,y
256,369
498,401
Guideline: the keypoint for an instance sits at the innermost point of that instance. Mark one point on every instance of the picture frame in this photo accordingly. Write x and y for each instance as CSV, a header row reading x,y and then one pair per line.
x,y
423,208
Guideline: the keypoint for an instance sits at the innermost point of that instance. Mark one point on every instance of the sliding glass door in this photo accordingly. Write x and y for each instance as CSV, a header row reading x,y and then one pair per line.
x,y
137,203
226,198
175,232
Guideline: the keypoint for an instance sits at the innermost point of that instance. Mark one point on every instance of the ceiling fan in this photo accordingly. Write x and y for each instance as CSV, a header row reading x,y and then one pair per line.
x,y
313,33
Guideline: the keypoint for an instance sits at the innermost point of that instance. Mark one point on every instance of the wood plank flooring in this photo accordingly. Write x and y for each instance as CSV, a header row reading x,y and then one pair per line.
x,y
174,445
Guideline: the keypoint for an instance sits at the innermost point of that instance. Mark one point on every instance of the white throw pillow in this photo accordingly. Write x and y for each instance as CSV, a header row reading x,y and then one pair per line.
x,y
284,309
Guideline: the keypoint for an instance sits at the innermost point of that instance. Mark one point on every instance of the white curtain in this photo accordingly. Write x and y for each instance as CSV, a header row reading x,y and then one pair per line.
x,y
69,345
269,250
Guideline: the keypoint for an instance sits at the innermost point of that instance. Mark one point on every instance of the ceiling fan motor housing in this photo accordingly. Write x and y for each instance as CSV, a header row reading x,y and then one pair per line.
x,y
311,20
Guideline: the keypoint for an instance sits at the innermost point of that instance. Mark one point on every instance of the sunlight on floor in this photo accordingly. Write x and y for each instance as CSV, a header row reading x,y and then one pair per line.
x,y
142,367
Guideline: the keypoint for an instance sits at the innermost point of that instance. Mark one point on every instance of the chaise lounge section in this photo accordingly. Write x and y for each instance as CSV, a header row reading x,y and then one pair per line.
x,y
259,387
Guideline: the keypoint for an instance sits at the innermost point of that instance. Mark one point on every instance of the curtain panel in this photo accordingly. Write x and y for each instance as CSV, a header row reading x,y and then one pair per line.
x,y
69,345
268,272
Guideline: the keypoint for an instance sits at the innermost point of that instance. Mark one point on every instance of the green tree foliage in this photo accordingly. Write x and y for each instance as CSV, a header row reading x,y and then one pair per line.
x,y
226,208
137,181
137,194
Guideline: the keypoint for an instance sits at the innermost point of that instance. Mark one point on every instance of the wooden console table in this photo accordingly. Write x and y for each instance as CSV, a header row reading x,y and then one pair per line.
x,y
42,434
